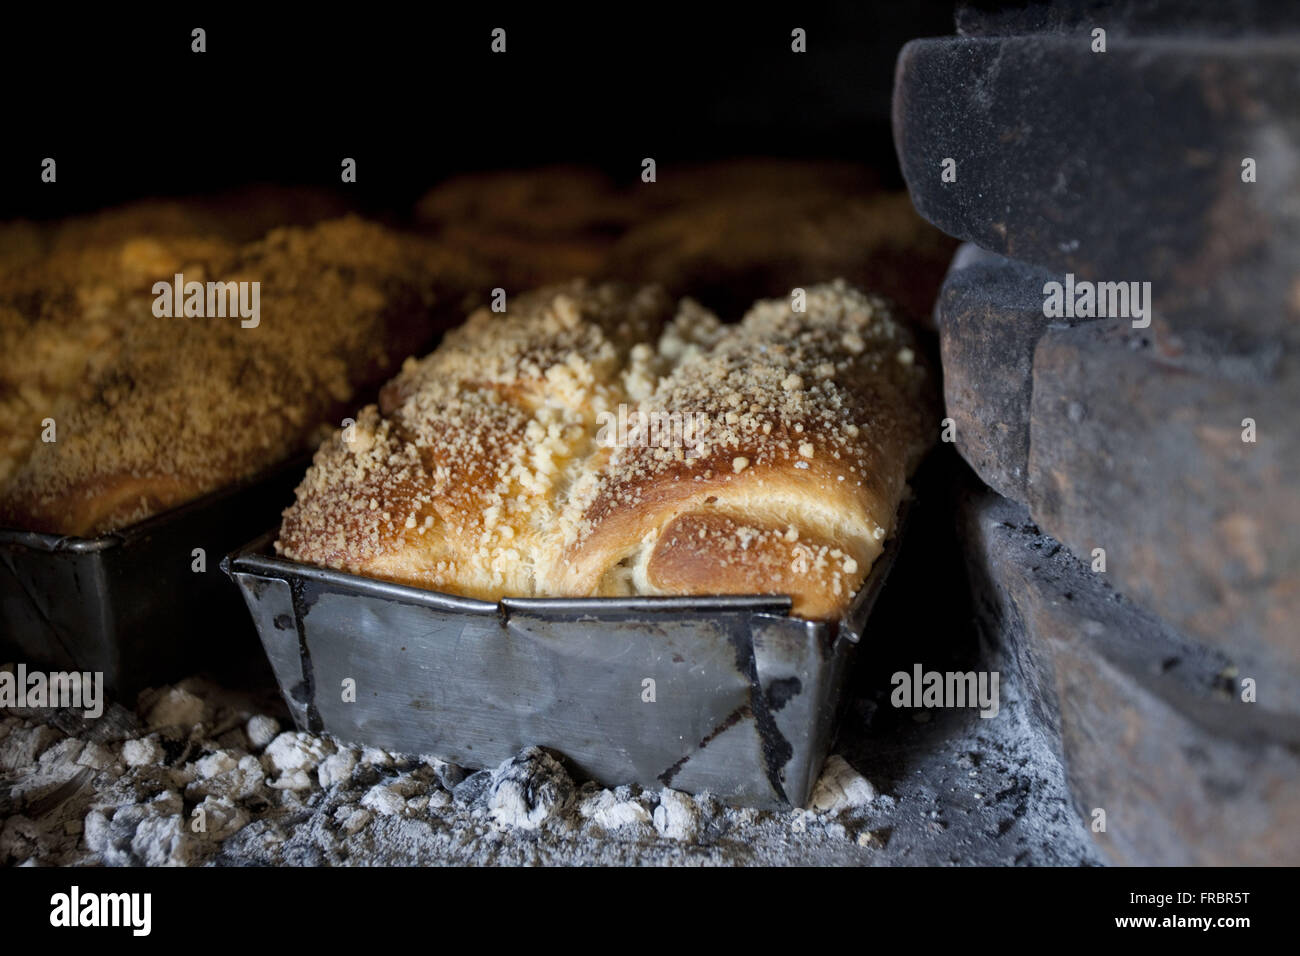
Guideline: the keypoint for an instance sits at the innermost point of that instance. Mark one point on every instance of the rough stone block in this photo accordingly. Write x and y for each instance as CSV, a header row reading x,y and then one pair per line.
x,y
990,317
1150,726
1117,166
1141,453
1128,17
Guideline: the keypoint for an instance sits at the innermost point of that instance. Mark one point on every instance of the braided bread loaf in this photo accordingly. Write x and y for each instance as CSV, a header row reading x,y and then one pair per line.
x,y
765,457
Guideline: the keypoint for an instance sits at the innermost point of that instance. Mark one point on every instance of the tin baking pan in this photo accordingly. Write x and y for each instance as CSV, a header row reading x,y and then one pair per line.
x,y
130,604
731,695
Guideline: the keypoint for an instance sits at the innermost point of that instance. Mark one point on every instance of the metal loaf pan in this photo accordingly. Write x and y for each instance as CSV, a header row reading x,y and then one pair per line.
x,y
745,697
128,603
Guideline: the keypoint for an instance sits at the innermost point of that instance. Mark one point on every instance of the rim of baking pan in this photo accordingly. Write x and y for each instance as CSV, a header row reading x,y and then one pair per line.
x,y
74,544
256,558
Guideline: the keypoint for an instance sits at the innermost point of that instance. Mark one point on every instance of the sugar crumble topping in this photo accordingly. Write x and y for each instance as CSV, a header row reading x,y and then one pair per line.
x,y
154,411
479,472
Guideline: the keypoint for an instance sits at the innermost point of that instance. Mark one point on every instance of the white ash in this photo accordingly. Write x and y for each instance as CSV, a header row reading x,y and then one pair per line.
x,y
221,817
23,745
352,819
677,817
608,811
336,768
142,752
449,775
406,794
291,752
261,730
216,764
176,707
529,789
841,788
383,799
230,787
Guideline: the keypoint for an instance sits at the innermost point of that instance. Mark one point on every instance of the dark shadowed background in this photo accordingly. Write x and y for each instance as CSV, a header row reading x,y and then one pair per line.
x,y
129,112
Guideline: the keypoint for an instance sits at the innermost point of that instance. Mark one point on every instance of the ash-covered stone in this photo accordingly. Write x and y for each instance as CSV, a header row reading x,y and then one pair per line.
x,y
471,789
222,817
990,318
529,789
841,788
607,810
142,752
1133,452
449,775
385,798
337,767
1148,731
1031,124
677,817
153,833
23,746
1207,18
261,730
295,756
174,707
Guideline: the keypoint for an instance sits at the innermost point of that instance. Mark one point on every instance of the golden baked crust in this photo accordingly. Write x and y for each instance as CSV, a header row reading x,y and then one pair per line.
x,y
239,215
483,471
152,412
808,426
536,203
62,326
455,480
730,248
518,263
753,180
530,228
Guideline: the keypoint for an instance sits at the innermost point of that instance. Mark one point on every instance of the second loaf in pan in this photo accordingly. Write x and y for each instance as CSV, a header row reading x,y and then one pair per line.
x,y
494,467
155,411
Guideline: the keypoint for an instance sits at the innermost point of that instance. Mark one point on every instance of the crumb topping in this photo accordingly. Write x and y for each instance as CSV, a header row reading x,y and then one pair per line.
x,y
478,441
155,411
480,472
757,396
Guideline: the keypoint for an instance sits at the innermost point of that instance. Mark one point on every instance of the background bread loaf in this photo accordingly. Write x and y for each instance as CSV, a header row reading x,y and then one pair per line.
x,y
154,411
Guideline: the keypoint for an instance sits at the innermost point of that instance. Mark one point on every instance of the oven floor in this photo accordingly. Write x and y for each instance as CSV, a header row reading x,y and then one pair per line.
x,y
946,788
